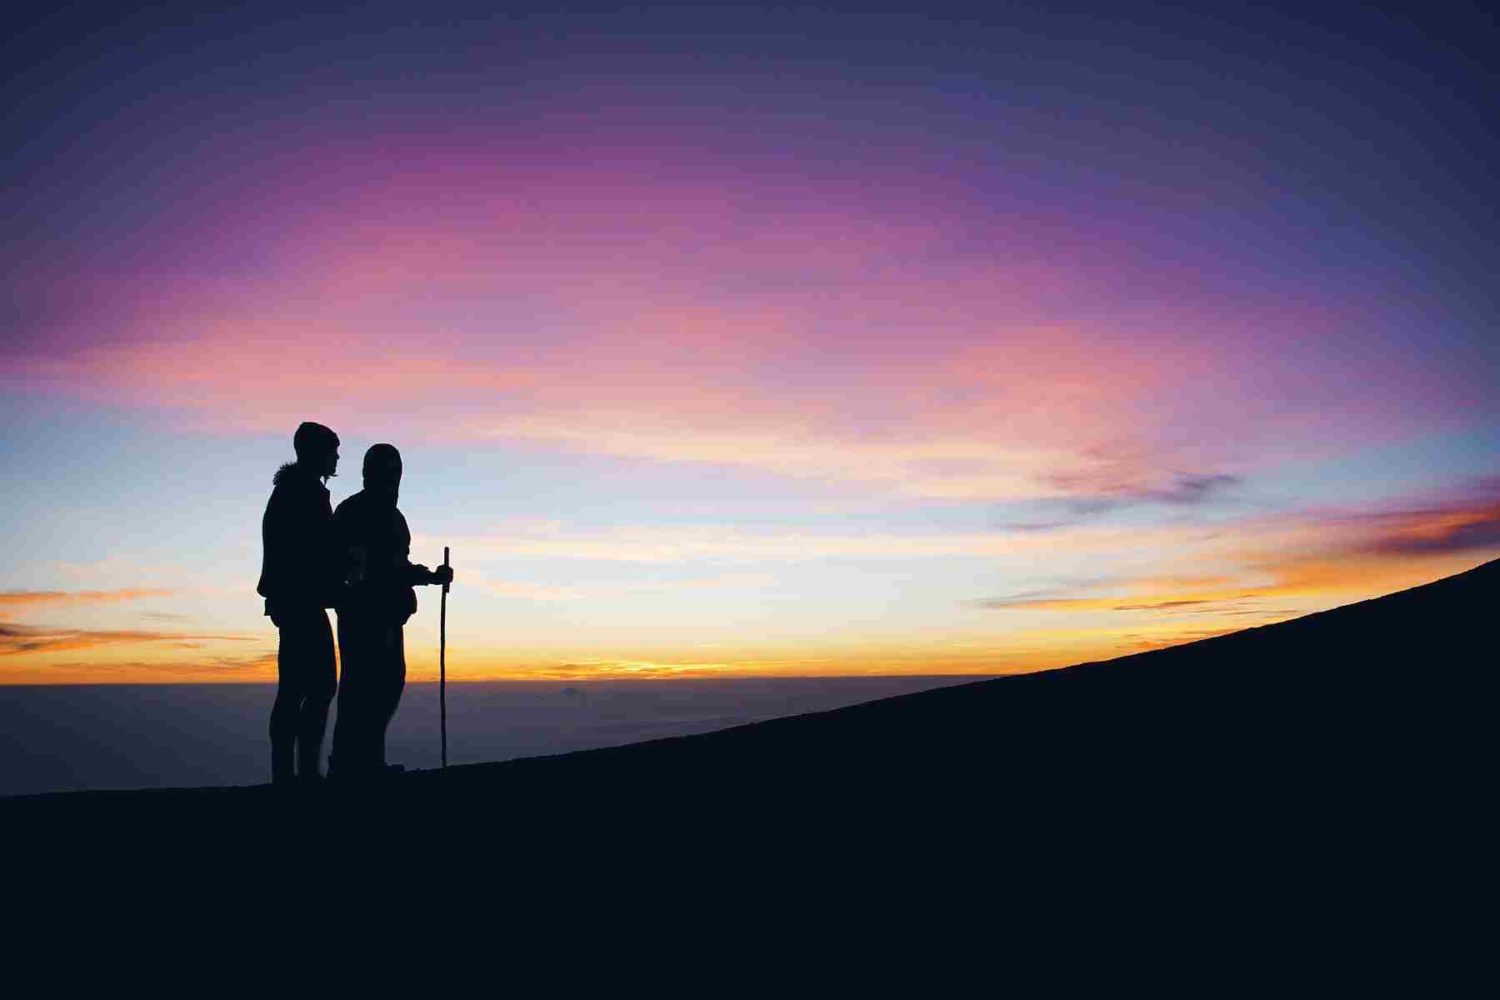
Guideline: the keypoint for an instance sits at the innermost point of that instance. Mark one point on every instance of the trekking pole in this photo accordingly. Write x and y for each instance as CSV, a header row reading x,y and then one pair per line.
x,y
443,662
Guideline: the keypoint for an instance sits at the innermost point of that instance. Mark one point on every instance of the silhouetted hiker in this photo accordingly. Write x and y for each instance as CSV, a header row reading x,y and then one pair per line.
x,y
301,575
372,615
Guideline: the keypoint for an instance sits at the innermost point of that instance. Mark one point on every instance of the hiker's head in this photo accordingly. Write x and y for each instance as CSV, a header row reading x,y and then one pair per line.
x,y
317,448
383,469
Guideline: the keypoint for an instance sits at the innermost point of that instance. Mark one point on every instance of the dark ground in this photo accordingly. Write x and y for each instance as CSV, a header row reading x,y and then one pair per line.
x,y
95,737
1331,768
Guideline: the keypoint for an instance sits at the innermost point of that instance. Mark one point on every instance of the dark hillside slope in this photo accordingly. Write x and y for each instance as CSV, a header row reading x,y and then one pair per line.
x,y
1377,698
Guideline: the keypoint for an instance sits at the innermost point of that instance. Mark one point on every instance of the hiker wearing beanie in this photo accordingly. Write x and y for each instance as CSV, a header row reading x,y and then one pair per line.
x,y
301,575
372,615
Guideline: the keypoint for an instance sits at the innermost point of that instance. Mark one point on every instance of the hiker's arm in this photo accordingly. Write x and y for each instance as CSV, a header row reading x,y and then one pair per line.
x,y
415,574
421,576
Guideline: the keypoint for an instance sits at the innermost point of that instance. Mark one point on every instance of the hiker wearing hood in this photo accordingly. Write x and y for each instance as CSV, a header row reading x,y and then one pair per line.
x,y
301,575
372,614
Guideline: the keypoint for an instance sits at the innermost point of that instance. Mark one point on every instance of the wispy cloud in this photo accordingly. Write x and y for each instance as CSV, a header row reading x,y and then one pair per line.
x,y
721,581
1311,556
1137,602
1459,521
528,591
1143,593
253,667
1083,501
1435,531
19,640
518,589
1190,488
587,669
729,542
33,598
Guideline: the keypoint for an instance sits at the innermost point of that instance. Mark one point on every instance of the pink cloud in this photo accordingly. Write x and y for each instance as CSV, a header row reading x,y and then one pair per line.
x,y
657,301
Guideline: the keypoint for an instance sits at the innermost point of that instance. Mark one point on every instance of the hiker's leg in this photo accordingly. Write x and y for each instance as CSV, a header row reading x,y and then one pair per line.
x,y
353,678
320,682
392,683
291,691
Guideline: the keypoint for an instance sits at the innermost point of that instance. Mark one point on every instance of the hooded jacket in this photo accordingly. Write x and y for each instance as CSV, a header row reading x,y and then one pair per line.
x,y
381,575
302,566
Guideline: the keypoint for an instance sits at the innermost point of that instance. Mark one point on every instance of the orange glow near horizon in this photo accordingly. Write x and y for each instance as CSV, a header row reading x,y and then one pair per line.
x,y
1157,612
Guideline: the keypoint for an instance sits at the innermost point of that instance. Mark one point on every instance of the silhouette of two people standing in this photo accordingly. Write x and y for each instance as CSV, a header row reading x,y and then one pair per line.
x,y
355,560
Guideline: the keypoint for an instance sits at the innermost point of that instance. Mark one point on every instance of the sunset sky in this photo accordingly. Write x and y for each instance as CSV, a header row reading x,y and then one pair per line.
x,y
732,342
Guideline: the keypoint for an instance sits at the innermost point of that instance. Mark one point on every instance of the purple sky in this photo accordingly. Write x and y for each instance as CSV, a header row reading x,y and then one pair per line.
x,y
729,342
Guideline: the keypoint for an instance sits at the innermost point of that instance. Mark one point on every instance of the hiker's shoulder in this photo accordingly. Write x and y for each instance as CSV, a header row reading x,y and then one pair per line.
x,y
362,511
292,490
293,481
350,506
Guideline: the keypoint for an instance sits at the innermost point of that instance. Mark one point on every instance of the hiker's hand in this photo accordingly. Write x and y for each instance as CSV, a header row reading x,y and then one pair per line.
x,y
443,575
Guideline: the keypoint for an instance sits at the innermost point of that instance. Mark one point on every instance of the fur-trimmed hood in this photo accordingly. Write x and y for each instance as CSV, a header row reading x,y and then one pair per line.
x,y
290,472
